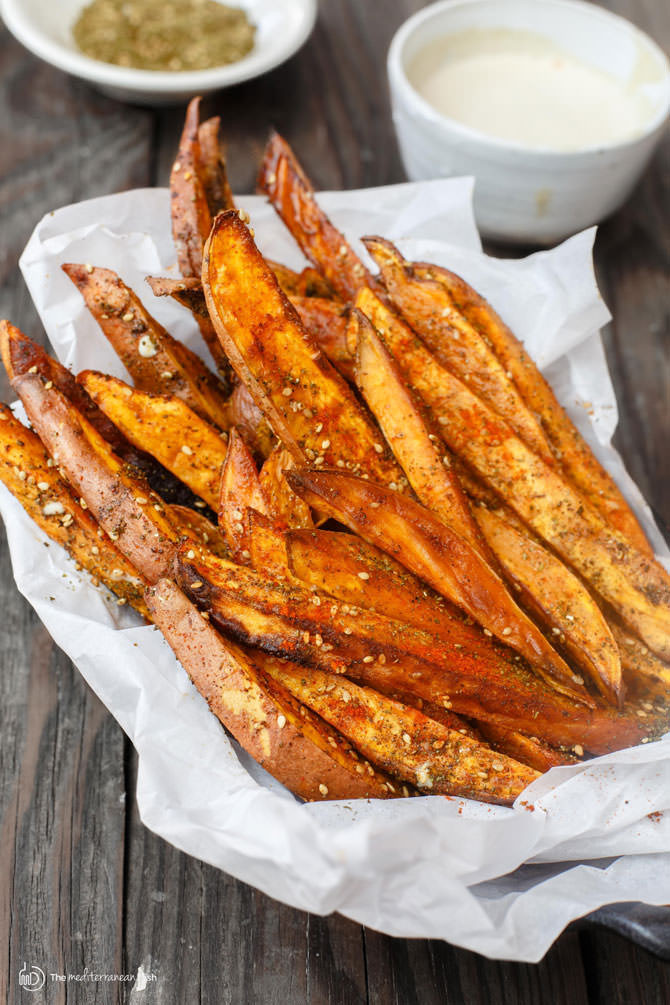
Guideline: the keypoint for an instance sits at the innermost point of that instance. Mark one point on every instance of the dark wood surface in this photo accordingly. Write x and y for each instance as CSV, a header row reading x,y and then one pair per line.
x,y
82,882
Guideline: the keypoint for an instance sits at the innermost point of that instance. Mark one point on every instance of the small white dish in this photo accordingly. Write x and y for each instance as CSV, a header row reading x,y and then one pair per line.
x,y
525,194
45,28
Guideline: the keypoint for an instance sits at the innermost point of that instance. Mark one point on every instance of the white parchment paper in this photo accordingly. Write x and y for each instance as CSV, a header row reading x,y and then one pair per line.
x,y
500,881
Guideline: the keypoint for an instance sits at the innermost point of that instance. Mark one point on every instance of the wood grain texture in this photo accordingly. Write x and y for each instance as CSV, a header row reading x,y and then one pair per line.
x,y
82,882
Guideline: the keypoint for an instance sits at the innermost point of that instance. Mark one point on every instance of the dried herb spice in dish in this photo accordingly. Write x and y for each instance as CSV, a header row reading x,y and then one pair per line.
x,y
164,34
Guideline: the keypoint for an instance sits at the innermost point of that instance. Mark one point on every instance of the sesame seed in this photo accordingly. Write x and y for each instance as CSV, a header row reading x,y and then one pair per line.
x,y
318,427
555,631
121,601
95,550
305,637
53,509
487,632
497,766
318,641
238,528
43,486
287,392
406,738
245,554
348,631
190,554
381,658
128,316
89,268
116,574
48,385
363,575
378,447
188,175
237,514
196,584
325,444
243,215
368,659
578,749
146,347
166,374
323,789
185,449
281,721
507,631
177,166
344,695
271,178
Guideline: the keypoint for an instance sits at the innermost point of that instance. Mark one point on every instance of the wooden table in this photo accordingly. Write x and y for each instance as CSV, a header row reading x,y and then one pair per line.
x,y
84,884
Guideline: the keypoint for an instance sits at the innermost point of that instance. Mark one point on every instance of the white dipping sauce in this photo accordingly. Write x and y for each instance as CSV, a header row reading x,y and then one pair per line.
x,y
523,88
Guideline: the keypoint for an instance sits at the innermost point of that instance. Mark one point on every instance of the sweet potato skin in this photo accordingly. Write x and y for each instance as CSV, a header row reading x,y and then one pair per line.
x,y
131,514
292,195
432,550
309,406
167,429
571,450
406,743
30,475
301,753
636,586
211,168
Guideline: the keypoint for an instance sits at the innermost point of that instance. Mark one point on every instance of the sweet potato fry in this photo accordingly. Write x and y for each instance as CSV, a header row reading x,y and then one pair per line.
x,y
291,193
557,599
267,547
407,432
186,291
191,218
309,406
284,506
250,422
308,283
167,429
637,661
406,743
527,749
195,525
635,586
294,745
211,168
155,360
125,507
326,322
571,450
457,345
395,658
432,550
239,490
30,475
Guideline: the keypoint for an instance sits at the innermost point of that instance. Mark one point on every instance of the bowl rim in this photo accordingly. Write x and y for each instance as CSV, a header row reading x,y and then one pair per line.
x,y
28,32
398,78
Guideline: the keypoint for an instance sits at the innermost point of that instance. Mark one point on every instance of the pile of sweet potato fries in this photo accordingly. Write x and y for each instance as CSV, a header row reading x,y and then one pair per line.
x,y
373,538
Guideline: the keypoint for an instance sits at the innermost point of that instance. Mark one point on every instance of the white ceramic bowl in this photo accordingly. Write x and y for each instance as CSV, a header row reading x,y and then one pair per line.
x,y
524,194
45,28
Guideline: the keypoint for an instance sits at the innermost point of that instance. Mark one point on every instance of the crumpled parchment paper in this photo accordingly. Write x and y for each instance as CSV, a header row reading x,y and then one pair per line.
x,y
503,882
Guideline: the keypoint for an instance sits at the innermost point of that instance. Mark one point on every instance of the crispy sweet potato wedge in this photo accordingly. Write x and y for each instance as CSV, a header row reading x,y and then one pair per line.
x,y
285,507
637,661
239,490
155,360
250,422
30,475
432,550
571,450
636,586
294,745
125,507
309,406
186,291
195,525
267,547
308,283
395,658
527,749
291,193
211,168
558,600
407,432
192,219
326,322
167,429
405,742
453,341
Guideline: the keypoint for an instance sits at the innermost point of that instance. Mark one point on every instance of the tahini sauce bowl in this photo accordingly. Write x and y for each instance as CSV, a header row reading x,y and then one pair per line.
x,y
45,28
527,194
